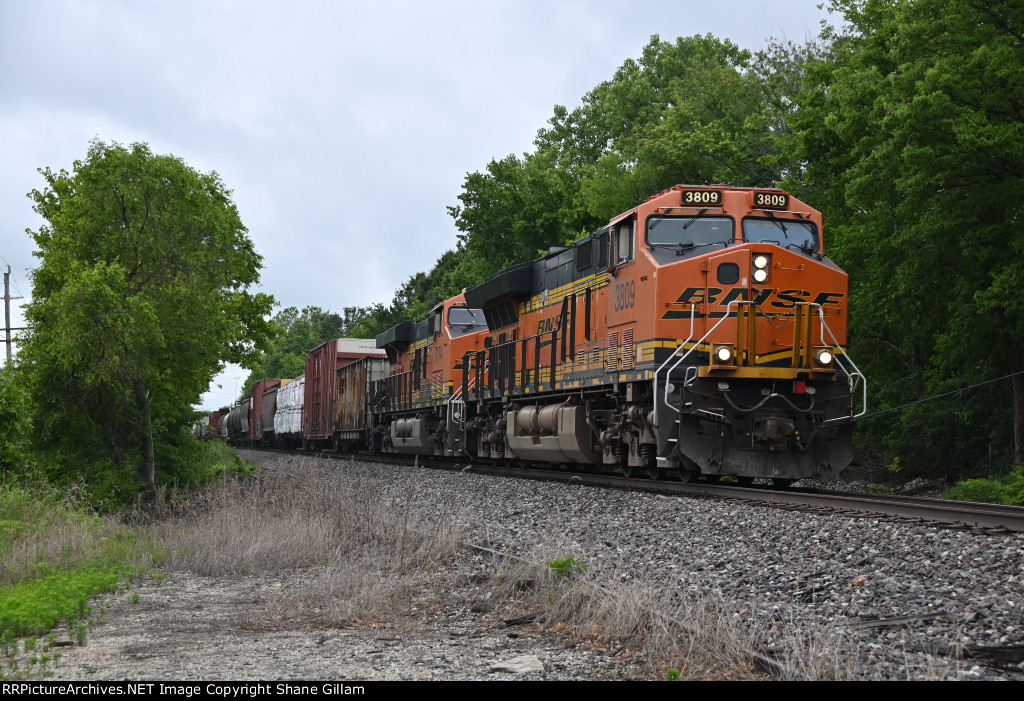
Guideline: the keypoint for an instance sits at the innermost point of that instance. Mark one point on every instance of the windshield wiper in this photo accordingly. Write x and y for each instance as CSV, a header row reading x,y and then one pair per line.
x,y
662,217
684,247
780,224
693,218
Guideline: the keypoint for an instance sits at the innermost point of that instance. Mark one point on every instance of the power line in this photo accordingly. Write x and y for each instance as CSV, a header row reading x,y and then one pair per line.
x,y
944,394
13,278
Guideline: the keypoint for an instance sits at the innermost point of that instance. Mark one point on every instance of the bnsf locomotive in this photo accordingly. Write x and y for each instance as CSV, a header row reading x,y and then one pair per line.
x,y
700,333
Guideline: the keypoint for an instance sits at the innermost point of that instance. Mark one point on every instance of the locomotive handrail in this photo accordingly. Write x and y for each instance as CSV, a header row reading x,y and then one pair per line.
x,y
533,372
852,378
683,356
693,308
457,402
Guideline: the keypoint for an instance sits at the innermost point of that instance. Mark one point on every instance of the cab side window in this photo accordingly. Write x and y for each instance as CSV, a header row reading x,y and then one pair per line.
x,y
622,243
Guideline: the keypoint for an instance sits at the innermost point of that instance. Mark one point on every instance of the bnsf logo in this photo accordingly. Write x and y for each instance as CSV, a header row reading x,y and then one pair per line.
x,y
776,299
550,324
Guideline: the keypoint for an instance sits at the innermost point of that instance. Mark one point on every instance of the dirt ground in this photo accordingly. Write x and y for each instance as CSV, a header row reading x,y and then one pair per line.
x,y
186,627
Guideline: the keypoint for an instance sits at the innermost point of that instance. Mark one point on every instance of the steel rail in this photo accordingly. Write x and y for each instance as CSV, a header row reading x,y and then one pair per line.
x,y
998,517
944,511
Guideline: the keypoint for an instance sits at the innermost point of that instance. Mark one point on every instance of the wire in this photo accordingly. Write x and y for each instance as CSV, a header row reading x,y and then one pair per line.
x,y
13,279
944,394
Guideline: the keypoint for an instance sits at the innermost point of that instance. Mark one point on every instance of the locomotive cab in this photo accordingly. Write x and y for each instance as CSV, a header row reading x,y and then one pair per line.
x,y
420,406
761,386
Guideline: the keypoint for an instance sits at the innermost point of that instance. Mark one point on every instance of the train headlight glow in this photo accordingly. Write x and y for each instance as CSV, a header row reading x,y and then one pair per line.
x,y
723,354
760,262
824,357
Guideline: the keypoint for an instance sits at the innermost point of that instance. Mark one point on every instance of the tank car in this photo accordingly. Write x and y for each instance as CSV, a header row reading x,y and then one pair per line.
x,y
702,332
208,426
201,428
237,423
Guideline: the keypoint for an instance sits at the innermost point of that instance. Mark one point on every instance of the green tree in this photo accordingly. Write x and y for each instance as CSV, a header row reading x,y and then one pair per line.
x,y
298,332
15,421
697,110
516,208
140,296
912,134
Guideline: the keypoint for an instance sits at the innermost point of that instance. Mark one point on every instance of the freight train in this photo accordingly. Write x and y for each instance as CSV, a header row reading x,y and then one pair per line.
x,y
702,332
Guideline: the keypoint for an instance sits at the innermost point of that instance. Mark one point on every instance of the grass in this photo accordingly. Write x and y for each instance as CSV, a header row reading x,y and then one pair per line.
x,y
57,556
364,550
677,636
695,638
366,554
999,489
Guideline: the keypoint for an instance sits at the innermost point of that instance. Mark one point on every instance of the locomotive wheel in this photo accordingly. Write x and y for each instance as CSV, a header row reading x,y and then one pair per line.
x,y
630,471
687,476
658,474
745,481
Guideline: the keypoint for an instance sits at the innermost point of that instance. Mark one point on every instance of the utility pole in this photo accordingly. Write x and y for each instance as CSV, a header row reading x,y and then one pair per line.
x,y
7,311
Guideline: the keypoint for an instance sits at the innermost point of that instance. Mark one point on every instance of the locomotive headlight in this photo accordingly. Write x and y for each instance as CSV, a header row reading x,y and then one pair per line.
x,y
823,357
722,355
760,268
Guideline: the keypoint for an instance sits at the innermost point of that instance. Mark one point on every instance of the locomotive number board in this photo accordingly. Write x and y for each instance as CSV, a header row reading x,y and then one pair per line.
x,y
771,200
702,197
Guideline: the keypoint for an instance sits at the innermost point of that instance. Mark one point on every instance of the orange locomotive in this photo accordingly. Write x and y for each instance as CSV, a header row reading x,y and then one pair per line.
x,y
416,406
701,332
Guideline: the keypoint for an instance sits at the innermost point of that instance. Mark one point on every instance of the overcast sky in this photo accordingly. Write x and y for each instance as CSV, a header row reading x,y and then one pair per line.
x,y
344,128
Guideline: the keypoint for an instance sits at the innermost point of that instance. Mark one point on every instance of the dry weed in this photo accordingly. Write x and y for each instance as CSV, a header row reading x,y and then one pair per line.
x,y
698,634
41,534
366,550
814,651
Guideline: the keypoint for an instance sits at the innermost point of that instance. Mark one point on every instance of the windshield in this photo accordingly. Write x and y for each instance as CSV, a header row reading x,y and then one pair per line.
x,y
692,230
464,316
784,232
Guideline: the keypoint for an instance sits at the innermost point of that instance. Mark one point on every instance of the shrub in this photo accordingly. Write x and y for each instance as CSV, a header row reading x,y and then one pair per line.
x,y
567,566
57,555
999,489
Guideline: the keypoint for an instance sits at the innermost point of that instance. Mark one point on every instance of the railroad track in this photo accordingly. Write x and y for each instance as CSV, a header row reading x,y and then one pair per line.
x,y
982,519
996,518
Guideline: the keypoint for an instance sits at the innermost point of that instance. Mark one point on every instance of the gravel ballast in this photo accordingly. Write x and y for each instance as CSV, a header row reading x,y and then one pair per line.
x,y
783,573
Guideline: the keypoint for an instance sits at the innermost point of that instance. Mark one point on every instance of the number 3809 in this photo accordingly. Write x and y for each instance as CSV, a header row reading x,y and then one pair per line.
x,y
770,199
625,295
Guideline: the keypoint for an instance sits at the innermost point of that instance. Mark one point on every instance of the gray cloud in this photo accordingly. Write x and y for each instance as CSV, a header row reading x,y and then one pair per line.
x,y
344,128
